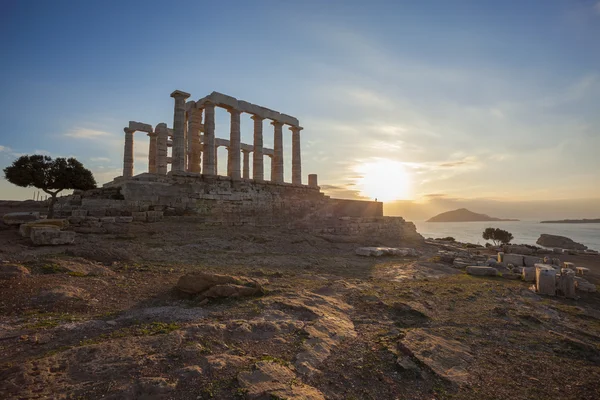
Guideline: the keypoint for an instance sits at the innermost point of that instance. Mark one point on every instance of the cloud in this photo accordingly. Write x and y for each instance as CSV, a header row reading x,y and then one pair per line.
x,y
4,149
597,8
86,133
100,159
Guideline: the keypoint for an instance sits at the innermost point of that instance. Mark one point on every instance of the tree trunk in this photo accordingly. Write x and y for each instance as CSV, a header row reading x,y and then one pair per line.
x,y
52,202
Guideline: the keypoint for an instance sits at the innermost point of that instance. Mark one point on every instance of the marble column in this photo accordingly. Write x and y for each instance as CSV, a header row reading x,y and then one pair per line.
x,y
296,156
246,168
128,153
161,148
233,157
209,164
257,155
152,152
277,166
272,166
193,140
179,156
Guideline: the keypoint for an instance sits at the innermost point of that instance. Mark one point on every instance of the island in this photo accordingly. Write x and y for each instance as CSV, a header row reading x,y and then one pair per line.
x,y
464,215
573,221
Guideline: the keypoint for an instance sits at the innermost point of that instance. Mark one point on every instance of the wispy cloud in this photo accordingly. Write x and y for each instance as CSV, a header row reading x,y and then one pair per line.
x,y
86,133
4,149
100,159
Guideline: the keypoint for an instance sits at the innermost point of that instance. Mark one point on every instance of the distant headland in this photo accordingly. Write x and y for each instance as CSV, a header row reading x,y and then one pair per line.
x,y
464,215
573,221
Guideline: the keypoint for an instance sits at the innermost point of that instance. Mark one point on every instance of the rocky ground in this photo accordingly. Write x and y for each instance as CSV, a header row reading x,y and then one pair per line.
x,y
103,319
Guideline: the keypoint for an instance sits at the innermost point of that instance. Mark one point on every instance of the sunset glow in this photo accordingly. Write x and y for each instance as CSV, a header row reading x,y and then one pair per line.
x,y
384,180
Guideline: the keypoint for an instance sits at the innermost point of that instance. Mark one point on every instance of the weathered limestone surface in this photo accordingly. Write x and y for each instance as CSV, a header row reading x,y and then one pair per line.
x,y
128,153
514,259
545,279
481,271
194,146
18,218
161,148
44,237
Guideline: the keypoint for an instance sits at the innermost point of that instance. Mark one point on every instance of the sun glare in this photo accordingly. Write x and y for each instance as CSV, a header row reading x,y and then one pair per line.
x,y
384,180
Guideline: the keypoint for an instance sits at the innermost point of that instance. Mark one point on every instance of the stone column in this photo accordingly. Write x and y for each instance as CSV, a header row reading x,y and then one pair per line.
x,y
246,168
296,157
233,157
277,171
179,156
312,180
161,148
193,140
209,164
128,153
272,166
152,152
257,155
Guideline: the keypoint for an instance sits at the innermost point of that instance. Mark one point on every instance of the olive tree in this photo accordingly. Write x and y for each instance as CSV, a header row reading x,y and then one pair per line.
x,y
50,175
497,235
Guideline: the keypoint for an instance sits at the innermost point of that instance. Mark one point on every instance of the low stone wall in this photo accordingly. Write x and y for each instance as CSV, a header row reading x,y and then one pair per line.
x,y
356,208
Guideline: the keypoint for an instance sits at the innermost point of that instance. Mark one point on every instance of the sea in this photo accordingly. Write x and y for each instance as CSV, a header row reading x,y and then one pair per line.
x,y
524,232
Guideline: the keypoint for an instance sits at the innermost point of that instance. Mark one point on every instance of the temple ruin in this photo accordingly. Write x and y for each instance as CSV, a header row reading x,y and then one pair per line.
x,y
194,143
191,187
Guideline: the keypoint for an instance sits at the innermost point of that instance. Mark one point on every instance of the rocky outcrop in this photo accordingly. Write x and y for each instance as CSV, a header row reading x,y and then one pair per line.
x,y
562,242
464,215
11,271
216,285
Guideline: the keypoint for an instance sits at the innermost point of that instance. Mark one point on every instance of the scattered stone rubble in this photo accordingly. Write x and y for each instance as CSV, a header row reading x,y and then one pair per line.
x,y
208,285
386,251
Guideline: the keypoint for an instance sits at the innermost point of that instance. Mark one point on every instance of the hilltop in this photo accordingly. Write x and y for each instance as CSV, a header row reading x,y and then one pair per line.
x,y
464,215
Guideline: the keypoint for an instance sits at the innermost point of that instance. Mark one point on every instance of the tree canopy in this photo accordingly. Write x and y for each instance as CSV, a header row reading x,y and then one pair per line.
x,y
50,175
497,235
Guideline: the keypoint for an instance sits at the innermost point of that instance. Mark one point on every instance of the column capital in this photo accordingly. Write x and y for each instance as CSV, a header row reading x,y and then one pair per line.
x,y
234,111
295,128
127,130
152,134
257,117
178,93
276,123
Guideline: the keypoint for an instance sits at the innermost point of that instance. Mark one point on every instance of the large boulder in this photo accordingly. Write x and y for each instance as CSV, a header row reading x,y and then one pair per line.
x,y
217,285
562,242
45,236
18,218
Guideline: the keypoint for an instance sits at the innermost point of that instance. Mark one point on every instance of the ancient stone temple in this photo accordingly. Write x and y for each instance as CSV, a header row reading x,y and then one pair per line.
x,y
186,183
194,143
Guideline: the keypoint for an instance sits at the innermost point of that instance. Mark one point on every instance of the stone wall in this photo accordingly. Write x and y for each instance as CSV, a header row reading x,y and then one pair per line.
x,y
223,201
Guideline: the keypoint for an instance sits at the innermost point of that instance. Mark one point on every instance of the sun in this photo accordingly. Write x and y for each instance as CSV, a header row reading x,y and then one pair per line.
x,y
384,180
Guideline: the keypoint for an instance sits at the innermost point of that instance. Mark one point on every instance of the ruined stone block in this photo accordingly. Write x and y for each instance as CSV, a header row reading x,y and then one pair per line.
x,y
514,259
154,216
530,261
44,237
107,220
79,213
18,218
123,220
481,271
139,216
25,229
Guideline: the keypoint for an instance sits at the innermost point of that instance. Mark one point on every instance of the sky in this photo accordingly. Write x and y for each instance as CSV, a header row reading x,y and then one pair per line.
x,y
428,106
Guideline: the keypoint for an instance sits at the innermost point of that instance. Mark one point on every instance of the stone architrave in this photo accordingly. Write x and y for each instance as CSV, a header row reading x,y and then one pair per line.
x,y
246,164
152,150
209,163
277,164
233,157
296,156
179,156
193,140
161,148
257,155
128,153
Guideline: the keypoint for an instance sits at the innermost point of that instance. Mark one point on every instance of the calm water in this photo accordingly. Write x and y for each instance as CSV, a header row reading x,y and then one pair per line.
x,y
526,232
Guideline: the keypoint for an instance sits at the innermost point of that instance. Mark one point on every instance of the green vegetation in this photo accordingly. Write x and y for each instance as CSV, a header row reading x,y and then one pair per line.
x,y
497,235
52,176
